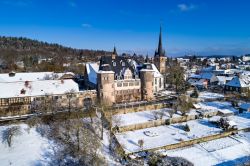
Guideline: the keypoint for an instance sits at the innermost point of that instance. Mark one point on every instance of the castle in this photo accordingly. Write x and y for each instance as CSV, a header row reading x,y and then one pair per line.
x,y
120,79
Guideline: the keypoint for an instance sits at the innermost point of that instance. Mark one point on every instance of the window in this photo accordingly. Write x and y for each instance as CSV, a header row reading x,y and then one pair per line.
x,y
123,63
114,63
119,84
125,84
131,84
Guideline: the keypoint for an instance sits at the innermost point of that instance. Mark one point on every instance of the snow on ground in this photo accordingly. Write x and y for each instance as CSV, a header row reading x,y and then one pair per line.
x,y
242,120
28,148
218,144
106,153
224,151
216,106
165,135
167,92
210,95
138,117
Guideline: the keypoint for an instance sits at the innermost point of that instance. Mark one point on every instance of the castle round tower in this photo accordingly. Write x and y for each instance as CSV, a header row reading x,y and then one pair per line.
x,y
105,87
147,80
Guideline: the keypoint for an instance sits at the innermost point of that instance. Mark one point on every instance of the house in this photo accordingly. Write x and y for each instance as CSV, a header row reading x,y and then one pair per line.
x,y
19,97
240,83
202,79
220,80
246,58
245,107
34,76
20,64
158,79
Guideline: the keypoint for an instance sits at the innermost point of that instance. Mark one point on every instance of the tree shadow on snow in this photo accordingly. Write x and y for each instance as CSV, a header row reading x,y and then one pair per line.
x,y
238,161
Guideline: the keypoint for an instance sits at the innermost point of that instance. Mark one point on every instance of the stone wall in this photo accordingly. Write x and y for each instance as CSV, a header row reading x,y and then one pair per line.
x,y
142,107
156,123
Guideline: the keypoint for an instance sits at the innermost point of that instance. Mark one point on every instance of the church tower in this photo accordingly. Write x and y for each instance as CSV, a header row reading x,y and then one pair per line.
x,y
160,57
114,53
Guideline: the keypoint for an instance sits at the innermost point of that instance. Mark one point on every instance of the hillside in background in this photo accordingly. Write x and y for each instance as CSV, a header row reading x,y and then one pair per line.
x,y
19,47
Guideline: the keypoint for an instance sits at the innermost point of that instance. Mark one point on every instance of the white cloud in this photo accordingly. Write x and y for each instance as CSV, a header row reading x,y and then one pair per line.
x,y
185,7
85,25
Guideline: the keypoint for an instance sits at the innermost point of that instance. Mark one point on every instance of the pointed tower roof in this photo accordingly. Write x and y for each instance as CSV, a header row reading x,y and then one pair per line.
x,y
147,59
160,51
114,51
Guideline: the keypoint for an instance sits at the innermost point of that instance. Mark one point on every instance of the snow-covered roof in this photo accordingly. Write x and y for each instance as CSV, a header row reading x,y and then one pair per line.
x,y
37,88
245,106
200,82
156,71
92,70
32,76
208,69
242,81
224,78
207,76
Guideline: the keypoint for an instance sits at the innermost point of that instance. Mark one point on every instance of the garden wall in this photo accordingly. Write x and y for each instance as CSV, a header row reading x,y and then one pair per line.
x,y
155,123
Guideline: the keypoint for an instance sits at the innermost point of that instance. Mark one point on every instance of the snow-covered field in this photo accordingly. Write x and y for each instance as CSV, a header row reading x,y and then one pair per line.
x,y
210,95
138,117
165,135
28,148
242,120
224,151
216,106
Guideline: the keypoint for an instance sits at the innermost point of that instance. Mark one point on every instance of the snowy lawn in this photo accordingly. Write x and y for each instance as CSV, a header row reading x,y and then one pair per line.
x,y
210,95
166,135
216,106
224,151
28,148
242,120
138,117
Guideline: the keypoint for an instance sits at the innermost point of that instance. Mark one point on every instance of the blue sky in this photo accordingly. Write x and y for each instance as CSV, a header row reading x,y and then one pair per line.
x,y
189,26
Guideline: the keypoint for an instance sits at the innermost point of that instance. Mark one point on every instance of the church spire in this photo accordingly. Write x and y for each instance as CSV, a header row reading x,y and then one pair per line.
x,y
160,51
114,51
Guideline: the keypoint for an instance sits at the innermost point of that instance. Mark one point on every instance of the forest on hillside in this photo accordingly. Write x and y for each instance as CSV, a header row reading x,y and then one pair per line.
x,y
14,49
20,46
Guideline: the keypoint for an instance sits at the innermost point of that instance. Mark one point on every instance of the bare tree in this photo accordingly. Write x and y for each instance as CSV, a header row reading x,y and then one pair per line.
x,y
171,113
9,133
183,104
158,114
70,97
141,143
75,142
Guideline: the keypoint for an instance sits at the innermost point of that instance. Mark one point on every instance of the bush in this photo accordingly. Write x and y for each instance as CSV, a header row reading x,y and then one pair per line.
x,y
195,94
186,128
157,160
